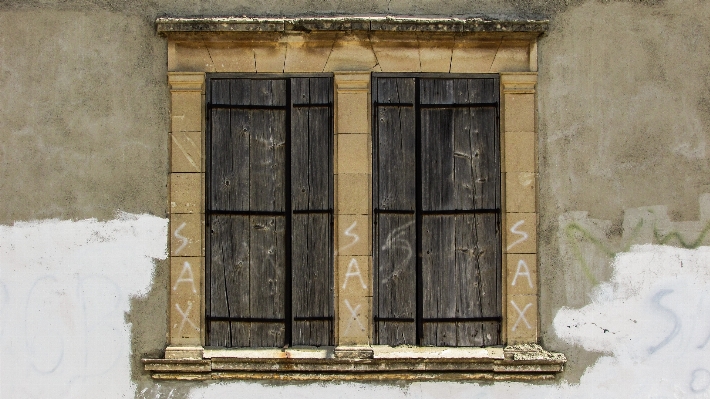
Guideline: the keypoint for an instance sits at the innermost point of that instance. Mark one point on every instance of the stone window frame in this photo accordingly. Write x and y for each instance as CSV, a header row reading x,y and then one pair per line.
x,y
351,49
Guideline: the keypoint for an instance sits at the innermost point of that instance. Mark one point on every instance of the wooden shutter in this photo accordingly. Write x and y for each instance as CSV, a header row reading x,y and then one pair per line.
x,y
269,212
437,211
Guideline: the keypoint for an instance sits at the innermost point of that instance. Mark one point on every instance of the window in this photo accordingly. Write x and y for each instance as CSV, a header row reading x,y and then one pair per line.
x,y
436,202
269,211
204,52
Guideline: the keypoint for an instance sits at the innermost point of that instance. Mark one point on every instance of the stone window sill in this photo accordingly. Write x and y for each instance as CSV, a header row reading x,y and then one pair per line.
x,y
519,362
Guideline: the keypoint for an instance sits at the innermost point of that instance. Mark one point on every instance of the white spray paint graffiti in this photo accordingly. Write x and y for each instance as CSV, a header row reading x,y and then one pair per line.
x,y
65,290
354,271
183,240
522,271
523,235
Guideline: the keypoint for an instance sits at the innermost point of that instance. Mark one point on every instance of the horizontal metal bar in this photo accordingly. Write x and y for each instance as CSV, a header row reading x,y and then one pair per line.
x,y
315,318
446,106
326,105
461,319
244,319
394,104
254,107
395,319
395,211
458,212
246,213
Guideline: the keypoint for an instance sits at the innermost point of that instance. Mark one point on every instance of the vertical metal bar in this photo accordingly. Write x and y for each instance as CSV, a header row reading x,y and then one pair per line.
x,y
418,212
289,215
208,241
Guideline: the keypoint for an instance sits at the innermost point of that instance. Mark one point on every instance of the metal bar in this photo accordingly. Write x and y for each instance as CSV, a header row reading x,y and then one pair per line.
x,y
418,214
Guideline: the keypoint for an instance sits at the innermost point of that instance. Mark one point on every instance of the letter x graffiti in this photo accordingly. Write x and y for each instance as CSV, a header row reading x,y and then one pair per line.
x,y
185,317
521,315
354,317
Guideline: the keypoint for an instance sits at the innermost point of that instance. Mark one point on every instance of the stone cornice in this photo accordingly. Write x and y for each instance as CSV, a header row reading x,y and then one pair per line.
x,y
168,25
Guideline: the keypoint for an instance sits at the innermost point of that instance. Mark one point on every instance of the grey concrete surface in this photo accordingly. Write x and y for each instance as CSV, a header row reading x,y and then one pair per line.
x,y
623,97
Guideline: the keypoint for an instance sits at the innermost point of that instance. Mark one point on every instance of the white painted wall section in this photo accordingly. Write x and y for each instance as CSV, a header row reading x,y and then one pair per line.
x,y
65,287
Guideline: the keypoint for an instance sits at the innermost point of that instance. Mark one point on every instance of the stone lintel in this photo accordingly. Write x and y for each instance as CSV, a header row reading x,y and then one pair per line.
x,y
167,25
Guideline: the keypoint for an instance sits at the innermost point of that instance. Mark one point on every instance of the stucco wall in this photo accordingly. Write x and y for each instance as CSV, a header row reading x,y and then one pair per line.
x,y
624,111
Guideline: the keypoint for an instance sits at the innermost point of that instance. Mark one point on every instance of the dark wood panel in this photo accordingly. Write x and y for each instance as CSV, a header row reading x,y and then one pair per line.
x,y
396,266
268,335
395,90
229,266
219,91
219,334
436,91
270,92
312,266
472,91
438,267
321,90
437,163
396,170
489,259
476,333
396,333
267,157
229,163
439,334
312,332
311,158
267,267
241,334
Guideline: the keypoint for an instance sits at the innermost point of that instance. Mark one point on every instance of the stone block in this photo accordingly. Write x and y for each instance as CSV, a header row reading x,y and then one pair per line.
x,y
187,234
186,319
354,196
353,108
186,111
512,57
354,234
186,152
399,56
522,274
520,152
186,275
232,57
521,233
307,56
354,153
270,58
352,53
354,300
521,319
191,57
520,191
435,56
186,193
519,112
473,56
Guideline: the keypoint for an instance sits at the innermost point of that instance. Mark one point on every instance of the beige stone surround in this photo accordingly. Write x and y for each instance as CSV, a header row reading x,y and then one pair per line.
x,y
351,55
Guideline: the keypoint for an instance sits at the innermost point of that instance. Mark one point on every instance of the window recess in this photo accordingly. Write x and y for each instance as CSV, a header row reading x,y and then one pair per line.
x,y
437,210
269,211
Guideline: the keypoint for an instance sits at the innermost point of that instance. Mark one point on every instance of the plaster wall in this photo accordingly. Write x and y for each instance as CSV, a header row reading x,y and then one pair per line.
x,y
623,117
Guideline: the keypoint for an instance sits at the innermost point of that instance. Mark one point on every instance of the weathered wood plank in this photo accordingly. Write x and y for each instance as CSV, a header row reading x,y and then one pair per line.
x,y
439,334
312,332
268,92
489,260
436,91
472,91
396,333
229,266
311,158
240,91
396,269
219,334
268,335
476,333
438,267
312,266
241,333
219,91
321,90
437,159
267,156
267,263
396,158
395,90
